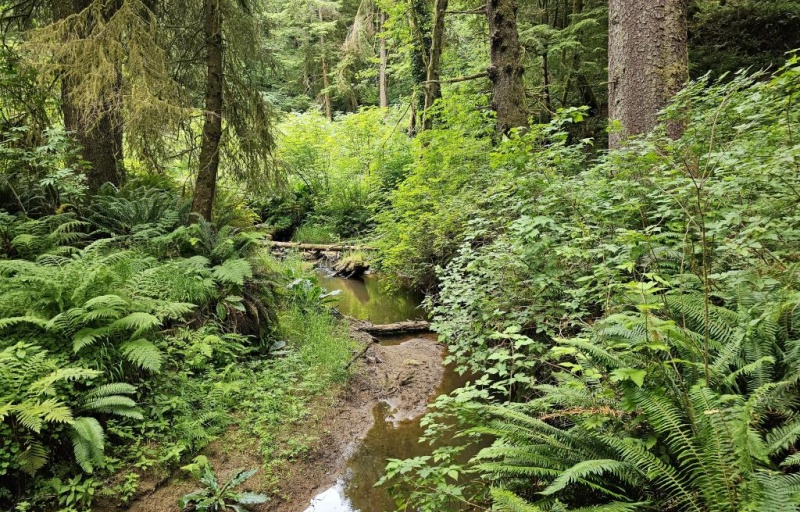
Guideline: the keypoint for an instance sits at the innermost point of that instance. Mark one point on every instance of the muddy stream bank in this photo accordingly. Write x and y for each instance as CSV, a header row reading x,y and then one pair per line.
x,y
374,417
395,424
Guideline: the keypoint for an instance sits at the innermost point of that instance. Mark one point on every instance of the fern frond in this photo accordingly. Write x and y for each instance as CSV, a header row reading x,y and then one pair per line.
x,y
114,404
33,458
114,388
507,501
87,337
233,271
34,414
143,354
583,472
15,321
783,437
45,384
88,441
138,321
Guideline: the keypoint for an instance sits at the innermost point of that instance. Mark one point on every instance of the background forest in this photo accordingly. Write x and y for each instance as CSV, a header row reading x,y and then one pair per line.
x,y
626,293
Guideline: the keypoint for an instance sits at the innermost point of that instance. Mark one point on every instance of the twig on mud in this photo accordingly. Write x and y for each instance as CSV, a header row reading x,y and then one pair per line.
x,y
363,351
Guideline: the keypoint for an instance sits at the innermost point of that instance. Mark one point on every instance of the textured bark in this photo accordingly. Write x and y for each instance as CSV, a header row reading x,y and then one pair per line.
x,y
647,62
206,184
433,89
505,71
98,129
382,79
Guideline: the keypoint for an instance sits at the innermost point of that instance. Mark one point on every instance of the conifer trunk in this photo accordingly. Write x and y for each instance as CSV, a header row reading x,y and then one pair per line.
x,y
647,62
384,60
505,71
98,129
433,88
206,184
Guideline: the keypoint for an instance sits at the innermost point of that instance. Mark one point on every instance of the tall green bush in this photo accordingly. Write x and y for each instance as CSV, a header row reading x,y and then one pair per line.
x,y
633,321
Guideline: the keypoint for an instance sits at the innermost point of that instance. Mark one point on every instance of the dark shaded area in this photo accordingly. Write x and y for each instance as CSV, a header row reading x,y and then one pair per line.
x,y
744,34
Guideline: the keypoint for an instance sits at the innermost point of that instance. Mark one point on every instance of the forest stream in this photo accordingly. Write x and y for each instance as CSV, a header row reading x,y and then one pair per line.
x,y
389,436
374,417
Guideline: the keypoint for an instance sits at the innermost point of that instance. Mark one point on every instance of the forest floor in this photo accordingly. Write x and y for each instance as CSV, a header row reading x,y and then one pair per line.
x,y
315,450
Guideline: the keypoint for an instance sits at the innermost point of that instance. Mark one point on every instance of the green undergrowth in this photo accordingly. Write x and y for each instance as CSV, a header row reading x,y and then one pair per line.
x,y
131,337
631,317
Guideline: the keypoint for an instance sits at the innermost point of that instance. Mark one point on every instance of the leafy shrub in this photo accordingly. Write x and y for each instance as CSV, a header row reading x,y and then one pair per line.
x,y
341,172
431,208
34,176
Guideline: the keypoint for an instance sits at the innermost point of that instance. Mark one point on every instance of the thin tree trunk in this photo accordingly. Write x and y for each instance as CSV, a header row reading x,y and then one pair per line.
x,y
206,185
382,79
326,93
98,129
433,89
505,71
420,17
647,63
548,102
412,119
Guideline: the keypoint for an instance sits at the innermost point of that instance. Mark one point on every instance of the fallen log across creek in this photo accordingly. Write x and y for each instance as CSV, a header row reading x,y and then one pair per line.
x,y
386,329
396,328
319,247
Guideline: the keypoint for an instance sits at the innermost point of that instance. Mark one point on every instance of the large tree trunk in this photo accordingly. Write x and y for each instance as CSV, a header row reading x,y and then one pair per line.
x,y
206,185
647,62
433,88
99,128
505,71
384,60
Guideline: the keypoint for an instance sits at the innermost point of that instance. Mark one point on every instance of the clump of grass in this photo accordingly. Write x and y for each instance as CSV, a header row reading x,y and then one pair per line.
x,y
323,342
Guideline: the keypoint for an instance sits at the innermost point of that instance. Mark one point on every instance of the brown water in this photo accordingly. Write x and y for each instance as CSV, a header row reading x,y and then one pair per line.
x,y
367,299
355,490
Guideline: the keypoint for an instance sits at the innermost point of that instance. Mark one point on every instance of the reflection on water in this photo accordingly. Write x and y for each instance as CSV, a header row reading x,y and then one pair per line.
x,y
332,500
356,491
366,299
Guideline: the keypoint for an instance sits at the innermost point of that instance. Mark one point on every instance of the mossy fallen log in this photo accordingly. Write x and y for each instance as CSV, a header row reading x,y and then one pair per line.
x,y
319,247
396,328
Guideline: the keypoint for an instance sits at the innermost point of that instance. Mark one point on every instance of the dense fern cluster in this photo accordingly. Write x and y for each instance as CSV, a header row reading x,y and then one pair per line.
x,y
102,312
635,320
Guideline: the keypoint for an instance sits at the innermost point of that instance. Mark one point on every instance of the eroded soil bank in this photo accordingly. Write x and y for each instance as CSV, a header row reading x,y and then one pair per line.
x,y
404,376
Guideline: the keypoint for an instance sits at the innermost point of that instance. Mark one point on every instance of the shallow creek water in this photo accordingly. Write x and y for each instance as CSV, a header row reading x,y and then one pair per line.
x,y
355,489
366,299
